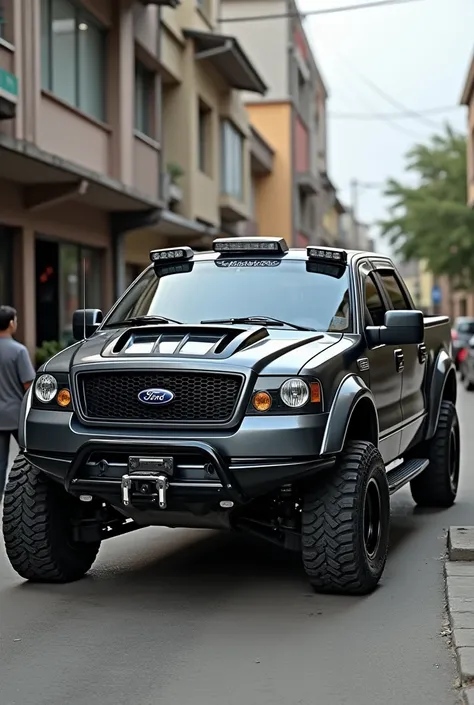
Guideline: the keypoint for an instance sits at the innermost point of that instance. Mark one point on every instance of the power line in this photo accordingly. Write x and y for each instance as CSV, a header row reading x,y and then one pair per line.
x,y
386,96
394,115
308,13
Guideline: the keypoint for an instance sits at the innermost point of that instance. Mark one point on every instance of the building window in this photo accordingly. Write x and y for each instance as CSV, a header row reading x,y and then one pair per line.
x,y
60,272
204,137
144,99
73,50
6,20
3,19
302,217
394,291
232,160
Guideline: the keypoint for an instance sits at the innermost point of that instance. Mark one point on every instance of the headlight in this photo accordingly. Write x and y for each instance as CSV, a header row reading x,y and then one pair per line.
x,y
294,393
46,388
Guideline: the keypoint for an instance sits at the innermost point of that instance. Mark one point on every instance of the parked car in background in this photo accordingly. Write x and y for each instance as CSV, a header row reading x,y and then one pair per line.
x,y
461,332
466,366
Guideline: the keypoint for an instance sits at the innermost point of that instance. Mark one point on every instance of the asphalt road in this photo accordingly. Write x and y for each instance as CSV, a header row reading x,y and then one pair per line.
x,y
171,617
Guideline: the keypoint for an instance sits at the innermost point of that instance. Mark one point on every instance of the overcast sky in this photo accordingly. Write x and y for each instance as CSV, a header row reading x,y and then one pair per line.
x,y
418,53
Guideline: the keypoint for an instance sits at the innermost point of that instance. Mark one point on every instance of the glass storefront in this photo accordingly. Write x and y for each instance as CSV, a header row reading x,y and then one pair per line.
x,y
6,266
61,270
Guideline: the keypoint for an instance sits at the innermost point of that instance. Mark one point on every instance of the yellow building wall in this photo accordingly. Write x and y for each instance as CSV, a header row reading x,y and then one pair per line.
x,y
273,196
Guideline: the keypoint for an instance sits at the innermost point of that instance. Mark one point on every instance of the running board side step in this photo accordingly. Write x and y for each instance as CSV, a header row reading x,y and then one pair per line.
x,y
405,472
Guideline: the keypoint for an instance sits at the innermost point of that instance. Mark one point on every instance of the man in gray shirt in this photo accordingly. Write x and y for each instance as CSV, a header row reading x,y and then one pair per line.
x,y
16,375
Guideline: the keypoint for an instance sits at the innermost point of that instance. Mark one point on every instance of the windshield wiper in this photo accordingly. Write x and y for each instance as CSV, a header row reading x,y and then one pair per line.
x,y
262,320
139,320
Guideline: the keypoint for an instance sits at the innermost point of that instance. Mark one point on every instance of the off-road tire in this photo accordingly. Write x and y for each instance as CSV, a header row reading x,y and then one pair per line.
x,y
437,486
333,546
36,529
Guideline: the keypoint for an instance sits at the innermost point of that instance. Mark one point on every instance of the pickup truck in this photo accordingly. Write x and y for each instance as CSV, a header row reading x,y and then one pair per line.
x,y
286,393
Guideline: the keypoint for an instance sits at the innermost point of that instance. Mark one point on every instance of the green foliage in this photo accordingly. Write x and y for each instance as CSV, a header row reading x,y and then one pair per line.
x,y
431,220
175,171
47,350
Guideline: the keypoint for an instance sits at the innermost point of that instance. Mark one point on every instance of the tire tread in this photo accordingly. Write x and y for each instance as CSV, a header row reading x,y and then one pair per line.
x,y
34,548
331,519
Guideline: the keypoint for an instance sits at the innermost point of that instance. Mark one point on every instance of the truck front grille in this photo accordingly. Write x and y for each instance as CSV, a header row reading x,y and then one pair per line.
x,y
198,397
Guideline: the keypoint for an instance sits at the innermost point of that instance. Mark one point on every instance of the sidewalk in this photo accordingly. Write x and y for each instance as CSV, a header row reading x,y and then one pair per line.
x,y
459,568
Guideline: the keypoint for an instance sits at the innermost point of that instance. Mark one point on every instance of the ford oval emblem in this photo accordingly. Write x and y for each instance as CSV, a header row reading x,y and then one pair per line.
x,y
158,397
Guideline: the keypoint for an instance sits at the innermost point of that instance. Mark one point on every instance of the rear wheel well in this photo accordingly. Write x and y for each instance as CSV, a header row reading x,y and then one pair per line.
x,y
363,423
450,388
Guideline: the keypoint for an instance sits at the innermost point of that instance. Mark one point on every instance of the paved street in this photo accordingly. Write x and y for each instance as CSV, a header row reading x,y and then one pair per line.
x,y
194,618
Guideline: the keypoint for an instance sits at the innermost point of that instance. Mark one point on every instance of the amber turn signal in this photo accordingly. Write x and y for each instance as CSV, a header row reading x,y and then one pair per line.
x,y
262,401
315,392
64,397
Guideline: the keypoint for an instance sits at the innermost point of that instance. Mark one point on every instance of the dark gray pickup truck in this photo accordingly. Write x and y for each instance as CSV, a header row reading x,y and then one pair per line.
x,y
255,388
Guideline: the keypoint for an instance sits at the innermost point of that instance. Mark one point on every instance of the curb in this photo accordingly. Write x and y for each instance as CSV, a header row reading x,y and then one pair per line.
x,y
459,580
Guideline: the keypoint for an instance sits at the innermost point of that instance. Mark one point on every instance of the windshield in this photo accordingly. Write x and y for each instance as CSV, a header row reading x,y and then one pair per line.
x,y
305,293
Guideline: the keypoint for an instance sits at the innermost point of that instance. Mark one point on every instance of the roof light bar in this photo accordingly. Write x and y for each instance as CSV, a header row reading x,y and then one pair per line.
x,y
171,254
327,253
254,244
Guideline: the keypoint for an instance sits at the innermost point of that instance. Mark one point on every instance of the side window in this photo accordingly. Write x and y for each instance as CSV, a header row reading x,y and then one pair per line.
x,y
394,292
375,307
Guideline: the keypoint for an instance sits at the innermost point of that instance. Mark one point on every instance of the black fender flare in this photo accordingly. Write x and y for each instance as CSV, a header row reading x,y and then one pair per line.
x,y
442,367
351,390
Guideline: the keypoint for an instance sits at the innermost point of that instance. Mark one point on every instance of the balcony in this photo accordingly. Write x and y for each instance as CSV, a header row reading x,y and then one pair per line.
x,y
261,154
308,183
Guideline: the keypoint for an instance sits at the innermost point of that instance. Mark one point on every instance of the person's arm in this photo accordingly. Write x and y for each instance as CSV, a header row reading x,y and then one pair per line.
x,y
26,371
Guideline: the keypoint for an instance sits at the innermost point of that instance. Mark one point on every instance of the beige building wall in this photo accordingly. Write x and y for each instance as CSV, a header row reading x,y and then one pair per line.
x,y
68,175
270,55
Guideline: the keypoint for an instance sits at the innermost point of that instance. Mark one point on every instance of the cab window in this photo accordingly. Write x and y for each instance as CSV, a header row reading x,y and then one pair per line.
x,y
395,293
374,306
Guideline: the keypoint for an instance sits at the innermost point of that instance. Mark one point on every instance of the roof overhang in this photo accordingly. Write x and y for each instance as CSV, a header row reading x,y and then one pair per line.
x,y
326,182
307,182
261,154
47,180
175,225
468,86
228,58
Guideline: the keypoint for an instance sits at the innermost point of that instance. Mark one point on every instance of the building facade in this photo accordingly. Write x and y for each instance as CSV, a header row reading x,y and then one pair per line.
x,y
120,131
205,132
291,117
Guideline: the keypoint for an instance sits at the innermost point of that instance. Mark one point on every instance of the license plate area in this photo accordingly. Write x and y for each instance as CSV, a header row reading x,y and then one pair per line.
x,y
147,478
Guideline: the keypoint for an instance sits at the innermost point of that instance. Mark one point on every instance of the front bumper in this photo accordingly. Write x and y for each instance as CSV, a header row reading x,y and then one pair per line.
x,y
261,455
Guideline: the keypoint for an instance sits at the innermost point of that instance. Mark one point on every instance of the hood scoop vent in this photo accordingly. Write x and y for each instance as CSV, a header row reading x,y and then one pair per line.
x,y
201,341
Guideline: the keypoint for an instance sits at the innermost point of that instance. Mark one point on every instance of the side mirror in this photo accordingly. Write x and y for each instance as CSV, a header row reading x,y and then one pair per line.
x,y
85,322
400,328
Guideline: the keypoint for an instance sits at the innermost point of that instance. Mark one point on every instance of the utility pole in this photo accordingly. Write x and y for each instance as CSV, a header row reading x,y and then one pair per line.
x,y
354,203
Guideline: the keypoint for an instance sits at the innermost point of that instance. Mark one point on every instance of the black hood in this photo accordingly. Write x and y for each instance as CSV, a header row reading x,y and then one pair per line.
x,y
273,350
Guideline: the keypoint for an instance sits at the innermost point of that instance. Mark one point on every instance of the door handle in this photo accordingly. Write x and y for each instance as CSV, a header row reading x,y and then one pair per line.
x,y
399,360
422,353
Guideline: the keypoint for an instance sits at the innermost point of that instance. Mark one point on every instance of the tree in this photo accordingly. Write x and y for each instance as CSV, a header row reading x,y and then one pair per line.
x,y
431,220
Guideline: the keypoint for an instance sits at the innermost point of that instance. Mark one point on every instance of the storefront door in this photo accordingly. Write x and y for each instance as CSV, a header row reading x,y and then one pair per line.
x,y
60,270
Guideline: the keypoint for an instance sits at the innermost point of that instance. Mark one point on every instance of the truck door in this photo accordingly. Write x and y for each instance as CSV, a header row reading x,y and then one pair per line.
x,y
413,359
385,380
